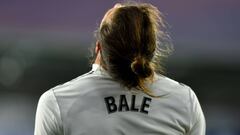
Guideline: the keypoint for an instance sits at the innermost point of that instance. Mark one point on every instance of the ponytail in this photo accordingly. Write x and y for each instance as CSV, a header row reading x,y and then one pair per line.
x,y
129,40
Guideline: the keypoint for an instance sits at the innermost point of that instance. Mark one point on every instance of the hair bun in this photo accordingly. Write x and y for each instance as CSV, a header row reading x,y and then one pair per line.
x,y
141,68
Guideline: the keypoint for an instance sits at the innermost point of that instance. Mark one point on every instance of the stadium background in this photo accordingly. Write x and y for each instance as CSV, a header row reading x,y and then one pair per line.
x,y
46,43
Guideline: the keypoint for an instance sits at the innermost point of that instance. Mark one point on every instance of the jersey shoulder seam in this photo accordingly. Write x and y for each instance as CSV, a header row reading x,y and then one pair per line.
x,y
189,109
71,81
59,110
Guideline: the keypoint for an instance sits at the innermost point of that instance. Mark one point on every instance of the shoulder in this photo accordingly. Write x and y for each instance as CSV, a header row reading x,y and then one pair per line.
x,y
177,94
183,99
48,117
171,87
47,99
73,84
48,104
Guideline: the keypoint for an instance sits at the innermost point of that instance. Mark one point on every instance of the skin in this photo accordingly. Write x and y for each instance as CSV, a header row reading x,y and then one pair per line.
x,y
97,51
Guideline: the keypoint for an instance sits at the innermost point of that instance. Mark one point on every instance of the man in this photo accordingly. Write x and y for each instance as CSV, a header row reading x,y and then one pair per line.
x,y
123,93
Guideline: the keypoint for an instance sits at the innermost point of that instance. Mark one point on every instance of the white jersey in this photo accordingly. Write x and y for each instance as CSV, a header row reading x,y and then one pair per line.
x,y
95,104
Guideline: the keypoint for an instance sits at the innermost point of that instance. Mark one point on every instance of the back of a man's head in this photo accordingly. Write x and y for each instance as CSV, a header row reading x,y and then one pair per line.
x,y
129,35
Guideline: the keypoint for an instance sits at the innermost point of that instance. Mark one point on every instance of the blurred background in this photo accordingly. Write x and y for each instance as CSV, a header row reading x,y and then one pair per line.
x,y
46,43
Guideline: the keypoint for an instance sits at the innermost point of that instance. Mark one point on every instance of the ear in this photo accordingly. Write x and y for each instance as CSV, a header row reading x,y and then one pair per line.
x,y
98,47
97,53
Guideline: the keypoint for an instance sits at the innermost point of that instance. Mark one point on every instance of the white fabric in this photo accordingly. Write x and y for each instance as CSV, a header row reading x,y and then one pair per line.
x,y
78,108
